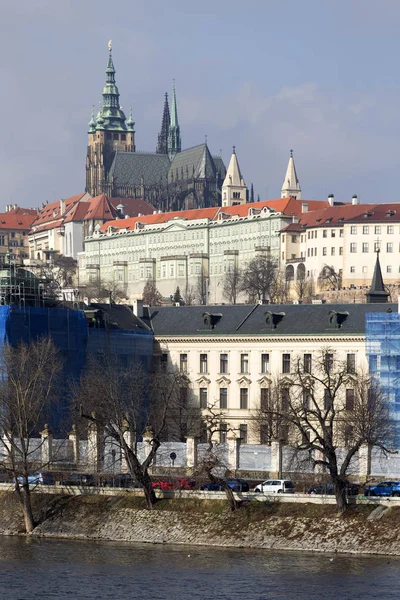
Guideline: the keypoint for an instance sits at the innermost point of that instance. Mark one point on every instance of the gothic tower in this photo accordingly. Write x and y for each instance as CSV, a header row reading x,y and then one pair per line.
x,y
109,133
162,146
174,133
291,186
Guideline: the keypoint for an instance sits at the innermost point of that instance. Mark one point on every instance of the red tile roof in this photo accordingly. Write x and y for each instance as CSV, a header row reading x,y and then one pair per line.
x,y
48,226
17,219
51,211
78,212
288,206
133,206
101,209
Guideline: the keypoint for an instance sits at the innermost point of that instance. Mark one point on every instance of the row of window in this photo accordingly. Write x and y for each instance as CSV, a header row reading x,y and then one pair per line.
x,y
364,269
265,395
377,229
365,247
265,363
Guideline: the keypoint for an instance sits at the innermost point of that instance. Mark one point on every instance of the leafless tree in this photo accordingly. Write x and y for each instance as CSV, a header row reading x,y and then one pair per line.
x,y
103,290
124,403
29,390
329,279
190,296
259,277
329,412
303,286
151,296
212,464
231,284
202,287
280,289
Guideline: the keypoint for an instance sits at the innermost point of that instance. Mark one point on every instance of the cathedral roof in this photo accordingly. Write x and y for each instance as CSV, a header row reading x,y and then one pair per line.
x,y
128,168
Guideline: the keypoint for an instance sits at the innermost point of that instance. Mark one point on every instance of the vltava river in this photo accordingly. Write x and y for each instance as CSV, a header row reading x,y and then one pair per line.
x,y
90,570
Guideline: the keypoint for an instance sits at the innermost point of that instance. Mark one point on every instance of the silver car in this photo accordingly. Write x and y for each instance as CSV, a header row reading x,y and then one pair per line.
x,y
275,486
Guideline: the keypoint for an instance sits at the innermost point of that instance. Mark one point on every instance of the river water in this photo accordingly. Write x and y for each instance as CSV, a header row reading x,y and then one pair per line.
x,y
96,570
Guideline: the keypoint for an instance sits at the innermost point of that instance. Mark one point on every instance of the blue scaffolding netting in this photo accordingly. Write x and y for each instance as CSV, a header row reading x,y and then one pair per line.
x,y
382,332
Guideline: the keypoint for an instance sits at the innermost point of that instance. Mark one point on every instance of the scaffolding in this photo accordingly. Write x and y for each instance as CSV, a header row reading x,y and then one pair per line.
x,y
383,352
20,287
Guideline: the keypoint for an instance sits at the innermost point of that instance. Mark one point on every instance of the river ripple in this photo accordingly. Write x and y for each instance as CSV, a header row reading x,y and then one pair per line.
x,y
98,570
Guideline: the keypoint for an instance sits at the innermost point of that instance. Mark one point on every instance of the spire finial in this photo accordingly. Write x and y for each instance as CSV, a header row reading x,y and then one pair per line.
x,y
291,154
234,149
110,46
205,138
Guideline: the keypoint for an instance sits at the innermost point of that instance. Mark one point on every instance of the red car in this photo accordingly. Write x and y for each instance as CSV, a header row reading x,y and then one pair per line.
x,y
174,484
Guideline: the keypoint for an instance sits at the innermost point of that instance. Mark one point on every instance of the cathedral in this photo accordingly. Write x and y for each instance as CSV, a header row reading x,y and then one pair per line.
x,y
170,178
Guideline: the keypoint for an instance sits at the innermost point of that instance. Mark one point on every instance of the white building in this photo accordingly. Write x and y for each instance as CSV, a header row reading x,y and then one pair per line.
x,y
344,237
232,355
177,248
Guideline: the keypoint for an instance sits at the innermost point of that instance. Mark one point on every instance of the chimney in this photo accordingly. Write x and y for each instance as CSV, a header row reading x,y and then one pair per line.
x,y
331,199
138,308
15,206
139,215
121,210
304,207
62,207
7,207
355,200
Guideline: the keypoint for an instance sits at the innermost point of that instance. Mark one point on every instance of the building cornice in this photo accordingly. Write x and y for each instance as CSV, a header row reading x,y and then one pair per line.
x,y
167,339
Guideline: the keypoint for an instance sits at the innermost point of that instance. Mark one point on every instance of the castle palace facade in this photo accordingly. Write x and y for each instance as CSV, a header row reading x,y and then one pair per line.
x,y
170,179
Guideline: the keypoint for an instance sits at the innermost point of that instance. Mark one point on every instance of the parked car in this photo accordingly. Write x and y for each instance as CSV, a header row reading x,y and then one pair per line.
x,y
123,480
275,486
82,479
384,488
327,489
39,478
236,484
181,483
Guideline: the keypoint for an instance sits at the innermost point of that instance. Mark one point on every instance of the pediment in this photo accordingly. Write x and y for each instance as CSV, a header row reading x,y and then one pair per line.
x,y
175,227
244,380
264,381
203,380
285,381
223,380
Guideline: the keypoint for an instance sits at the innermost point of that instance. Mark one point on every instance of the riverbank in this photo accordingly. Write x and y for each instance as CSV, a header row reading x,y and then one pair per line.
x,y
305,527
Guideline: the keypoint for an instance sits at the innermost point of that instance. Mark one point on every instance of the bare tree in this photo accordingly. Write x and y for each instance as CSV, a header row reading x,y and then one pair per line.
x,y
231,284
303,286
124,403
104,290
28,392
151,296
280,289
212,464
202,287
259,277
329,279
329,412
190,296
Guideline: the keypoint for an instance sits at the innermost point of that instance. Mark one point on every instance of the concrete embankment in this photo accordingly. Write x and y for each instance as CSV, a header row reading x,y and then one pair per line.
x,y
306,527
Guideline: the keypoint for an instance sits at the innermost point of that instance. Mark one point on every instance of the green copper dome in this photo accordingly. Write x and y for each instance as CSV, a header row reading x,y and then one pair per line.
x,y
111,113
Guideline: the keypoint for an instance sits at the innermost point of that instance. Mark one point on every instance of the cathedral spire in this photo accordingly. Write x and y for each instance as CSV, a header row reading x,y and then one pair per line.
x,y
114,118
162,146
291,185
174,134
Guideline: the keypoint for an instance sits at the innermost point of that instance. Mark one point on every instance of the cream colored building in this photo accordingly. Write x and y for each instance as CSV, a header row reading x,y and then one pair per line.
x,y
177,248
232,355
344,237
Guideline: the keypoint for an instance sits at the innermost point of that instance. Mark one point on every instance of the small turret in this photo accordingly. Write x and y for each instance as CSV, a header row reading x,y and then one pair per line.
x,y
291,186
130,123
234,189
92,123
174,133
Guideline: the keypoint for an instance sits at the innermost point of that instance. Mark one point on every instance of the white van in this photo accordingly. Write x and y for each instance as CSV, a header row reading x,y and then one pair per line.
x,y
275,486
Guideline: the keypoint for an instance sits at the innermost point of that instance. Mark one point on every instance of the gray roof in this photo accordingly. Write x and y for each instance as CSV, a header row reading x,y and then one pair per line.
x,y
197,159
119,316
128,168
239,320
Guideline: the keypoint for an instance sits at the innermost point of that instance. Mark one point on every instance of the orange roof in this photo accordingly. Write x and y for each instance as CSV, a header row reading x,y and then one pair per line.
x,y
78,212
51,211
48,226
100,208
287,206
18,218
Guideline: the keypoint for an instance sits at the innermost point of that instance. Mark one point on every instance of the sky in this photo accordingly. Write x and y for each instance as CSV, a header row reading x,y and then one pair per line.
x,y
319,76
